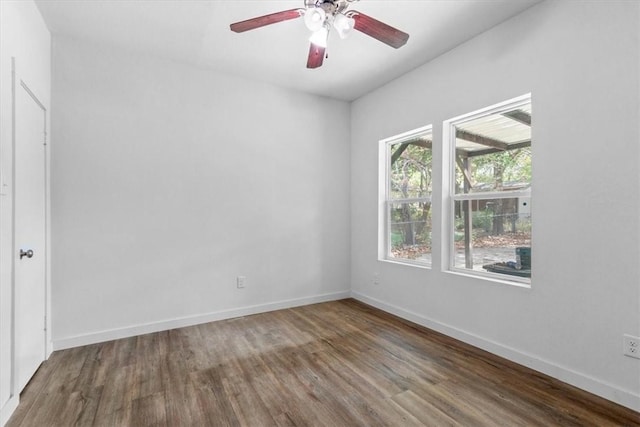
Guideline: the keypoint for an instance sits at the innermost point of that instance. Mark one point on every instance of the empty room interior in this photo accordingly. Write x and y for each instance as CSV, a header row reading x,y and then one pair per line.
x,y
320,212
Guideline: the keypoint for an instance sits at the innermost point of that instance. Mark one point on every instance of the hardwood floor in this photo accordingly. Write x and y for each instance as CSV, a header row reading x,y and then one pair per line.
x,y
334,364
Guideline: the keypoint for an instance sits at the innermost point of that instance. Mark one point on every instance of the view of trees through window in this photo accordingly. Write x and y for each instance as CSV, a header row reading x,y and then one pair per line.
x,y
492,192
506,170
409,199
487,193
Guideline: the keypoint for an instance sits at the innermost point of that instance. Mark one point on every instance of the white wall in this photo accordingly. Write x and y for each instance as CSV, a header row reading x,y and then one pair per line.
x,y
169,181
23,36
581,62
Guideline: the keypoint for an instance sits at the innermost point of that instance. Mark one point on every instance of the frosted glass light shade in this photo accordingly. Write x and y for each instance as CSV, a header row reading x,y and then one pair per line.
x,y
314,18
343,25
319,38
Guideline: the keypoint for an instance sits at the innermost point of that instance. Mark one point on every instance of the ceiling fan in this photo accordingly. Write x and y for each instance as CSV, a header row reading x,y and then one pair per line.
x,y
319,17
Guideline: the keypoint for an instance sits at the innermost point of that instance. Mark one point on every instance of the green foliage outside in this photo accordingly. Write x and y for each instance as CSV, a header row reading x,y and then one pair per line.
x,y
492,171
397,239
410,178
480,220
410,175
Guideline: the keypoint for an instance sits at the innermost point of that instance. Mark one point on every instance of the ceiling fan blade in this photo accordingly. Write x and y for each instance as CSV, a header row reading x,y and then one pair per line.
x,y
316,56
261,21
379,30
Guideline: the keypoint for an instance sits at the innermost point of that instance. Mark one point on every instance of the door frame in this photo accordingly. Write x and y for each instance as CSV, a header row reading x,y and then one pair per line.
x,y
19,83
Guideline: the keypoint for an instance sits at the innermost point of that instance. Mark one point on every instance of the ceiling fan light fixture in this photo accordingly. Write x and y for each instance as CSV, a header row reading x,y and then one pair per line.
x,y
319,16
319,37
314,18
343,25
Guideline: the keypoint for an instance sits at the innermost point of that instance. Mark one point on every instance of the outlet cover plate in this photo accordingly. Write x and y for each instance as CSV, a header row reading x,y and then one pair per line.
x,y
240,281
631,346
376,278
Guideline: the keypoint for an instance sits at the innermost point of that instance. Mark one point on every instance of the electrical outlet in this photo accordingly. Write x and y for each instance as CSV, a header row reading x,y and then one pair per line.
x,y
240,281
631,346
376,278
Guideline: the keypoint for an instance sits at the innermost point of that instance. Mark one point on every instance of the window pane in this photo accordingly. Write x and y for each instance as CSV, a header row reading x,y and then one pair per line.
x,y
410,169
410,231
490,234
491,182
504,171
493,152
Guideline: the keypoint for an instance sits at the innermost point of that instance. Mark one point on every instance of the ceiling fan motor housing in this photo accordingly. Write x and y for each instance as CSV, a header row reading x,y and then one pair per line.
x,y
331,7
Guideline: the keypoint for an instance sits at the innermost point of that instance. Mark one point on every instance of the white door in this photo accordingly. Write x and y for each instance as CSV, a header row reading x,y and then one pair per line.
x,y
30,231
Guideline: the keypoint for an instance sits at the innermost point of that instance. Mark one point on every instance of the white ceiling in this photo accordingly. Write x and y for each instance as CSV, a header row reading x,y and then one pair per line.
x,y
197,33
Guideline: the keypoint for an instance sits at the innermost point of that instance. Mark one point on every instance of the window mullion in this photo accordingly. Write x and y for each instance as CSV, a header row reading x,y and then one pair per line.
x,y
492,195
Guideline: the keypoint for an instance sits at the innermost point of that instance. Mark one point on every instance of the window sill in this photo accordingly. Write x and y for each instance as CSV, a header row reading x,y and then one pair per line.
x,y
406,262
494,278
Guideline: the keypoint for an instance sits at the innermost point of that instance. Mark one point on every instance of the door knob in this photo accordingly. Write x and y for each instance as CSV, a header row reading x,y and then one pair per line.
x,y
27,254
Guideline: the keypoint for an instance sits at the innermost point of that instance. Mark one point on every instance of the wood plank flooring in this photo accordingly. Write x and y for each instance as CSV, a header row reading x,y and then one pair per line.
x,y
334,364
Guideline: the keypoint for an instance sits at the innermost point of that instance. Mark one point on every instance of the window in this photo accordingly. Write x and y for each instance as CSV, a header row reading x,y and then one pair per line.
x,y
490,191
406,180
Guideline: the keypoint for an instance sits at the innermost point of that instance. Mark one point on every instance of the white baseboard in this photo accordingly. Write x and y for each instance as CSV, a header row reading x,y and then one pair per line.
x,y
610,392
113,334
7,410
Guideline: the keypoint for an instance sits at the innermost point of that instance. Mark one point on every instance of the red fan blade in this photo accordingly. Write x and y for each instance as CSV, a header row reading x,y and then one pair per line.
x,y
316,56
379,30
261,21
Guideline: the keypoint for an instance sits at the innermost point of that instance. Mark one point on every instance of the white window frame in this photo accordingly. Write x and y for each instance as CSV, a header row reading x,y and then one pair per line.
x,y
384,200
449,196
